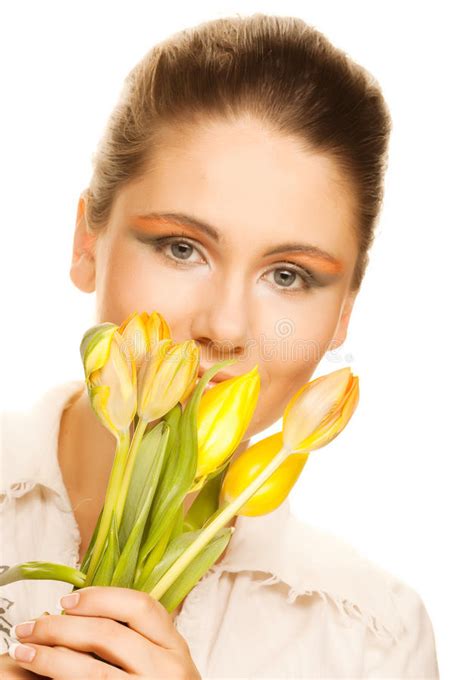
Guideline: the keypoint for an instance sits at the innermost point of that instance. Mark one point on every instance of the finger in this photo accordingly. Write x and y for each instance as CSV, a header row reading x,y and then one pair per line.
x,y
57,662
108,639
137,609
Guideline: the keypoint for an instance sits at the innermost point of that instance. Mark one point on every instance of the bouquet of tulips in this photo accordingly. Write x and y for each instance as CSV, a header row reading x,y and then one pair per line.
x,y
175,436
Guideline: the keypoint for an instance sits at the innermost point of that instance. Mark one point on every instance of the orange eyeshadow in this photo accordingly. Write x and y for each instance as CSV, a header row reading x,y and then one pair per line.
x,y
149,224
324,265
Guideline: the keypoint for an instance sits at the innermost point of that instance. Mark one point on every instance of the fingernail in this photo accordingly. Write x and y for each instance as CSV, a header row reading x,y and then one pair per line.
x,y
22,629
69,601
21,652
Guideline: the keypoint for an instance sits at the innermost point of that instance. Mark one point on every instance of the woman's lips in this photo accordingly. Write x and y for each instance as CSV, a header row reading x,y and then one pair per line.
x,y
217,378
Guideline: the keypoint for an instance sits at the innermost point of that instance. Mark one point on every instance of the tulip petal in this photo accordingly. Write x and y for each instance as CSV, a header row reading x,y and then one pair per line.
x,y
134,332
312,405
172,378
157,330
118,373
333,425
95,346
99,397
225,412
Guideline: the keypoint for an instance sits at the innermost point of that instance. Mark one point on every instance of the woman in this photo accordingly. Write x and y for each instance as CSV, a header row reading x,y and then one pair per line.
x,y
236,191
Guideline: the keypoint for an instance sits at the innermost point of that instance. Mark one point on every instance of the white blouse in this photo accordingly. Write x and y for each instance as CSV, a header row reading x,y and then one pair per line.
x,y
286,601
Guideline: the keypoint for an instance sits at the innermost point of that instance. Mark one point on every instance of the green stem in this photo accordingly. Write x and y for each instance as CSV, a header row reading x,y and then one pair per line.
x,y
43,570
125,483
221,520
113,488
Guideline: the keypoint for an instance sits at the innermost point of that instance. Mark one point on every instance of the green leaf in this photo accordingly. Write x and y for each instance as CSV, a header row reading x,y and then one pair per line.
x,y
173,551
48,571
196,569
158,552
124,572
87,557
206,502
142,471
175,529
173,418
168,498
178,523
109,558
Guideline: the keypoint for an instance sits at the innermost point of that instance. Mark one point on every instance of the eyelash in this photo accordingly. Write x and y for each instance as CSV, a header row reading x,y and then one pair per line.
x,y
309,280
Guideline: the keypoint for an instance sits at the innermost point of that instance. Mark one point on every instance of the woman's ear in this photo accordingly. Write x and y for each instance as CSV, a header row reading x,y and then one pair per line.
x,y
341,330
83,263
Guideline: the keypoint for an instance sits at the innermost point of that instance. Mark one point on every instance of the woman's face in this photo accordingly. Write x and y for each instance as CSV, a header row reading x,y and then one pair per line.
x,y
214,272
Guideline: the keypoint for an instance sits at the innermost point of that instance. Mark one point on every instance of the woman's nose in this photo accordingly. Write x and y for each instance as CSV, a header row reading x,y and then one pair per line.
x,y
222,323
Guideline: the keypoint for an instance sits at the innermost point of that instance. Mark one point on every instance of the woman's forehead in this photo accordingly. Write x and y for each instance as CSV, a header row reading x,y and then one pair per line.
x,y
247,188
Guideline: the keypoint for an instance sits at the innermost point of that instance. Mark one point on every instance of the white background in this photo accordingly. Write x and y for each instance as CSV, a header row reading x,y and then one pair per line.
x,y
397,483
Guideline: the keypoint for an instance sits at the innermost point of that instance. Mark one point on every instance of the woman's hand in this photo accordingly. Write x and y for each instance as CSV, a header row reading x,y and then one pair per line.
x,y
147,646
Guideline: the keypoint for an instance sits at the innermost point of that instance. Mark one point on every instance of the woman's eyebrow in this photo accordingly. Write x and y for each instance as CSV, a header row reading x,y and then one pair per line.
x,y
183,219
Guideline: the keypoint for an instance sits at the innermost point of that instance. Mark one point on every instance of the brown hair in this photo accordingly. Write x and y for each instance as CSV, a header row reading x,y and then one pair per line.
x,y
279,69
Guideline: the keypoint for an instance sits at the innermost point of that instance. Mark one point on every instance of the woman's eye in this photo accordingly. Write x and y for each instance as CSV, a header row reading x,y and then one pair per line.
x,y
179,249
181,253
284,278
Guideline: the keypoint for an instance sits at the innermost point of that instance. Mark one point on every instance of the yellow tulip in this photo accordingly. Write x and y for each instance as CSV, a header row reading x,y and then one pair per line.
x,y
251,463
320,410
156,327
224,414
165,376
110,377
143,332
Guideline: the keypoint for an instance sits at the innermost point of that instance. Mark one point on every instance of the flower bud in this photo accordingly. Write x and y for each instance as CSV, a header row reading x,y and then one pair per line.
x,y
110,376
320,410
249,464
165,376
143,332
224,414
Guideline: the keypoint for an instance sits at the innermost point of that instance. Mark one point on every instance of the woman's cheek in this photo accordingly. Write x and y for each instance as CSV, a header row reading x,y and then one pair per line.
x,y
137,283
270,405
